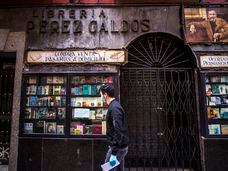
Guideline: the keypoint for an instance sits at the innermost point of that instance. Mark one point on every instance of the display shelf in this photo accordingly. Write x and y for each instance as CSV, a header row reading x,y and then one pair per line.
x,y
216,90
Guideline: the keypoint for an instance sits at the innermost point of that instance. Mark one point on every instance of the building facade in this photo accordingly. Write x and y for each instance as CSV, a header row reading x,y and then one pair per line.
x,y
167,62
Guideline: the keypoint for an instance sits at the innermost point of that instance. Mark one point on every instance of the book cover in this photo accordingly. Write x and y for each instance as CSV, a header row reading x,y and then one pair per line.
x,y
215,89
41,113
75,80
107,79
88,129
60,129
92,114
45,90
63,101
222,89
99,114
28,128
214,129
50,127
28,113
213,113
49,80
39,127
56,89
32,80
215,79
81,113
51,113
82,79
208,90
58,80
86,89
63,90
58,101
32,100
77,128
94,90
61,112
97,129
224,129
224,113
103,127
39,90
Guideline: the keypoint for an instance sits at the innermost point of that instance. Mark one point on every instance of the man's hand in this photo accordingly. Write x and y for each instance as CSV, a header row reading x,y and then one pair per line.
x,y
217,36
112,160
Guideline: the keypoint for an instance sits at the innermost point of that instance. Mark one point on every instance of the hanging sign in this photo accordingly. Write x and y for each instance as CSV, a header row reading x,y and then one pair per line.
x,y
84,56
214,61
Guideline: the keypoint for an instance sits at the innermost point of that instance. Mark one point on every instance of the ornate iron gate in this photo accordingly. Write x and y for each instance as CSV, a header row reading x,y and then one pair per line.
x,y
161,107
6,100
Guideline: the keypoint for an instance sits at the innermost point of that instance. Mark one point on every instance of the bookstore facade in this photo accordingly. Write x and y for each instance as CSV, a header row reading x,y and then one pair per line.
x,y
170,78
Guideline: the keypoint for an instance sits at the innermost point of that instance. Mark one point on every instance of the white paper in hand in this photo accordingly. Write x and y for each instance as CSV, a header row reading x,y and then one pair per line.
x,y
107,166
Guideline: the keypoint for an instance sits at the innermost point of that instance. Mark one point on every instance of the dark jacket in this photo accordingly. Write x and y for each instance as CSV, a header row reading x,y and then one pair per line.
x,y
117,133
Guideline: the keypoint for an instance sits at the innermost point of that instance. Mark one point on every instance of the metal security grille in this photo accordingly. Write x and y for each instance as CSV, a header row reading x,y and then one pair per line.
x,y
160,105
6,99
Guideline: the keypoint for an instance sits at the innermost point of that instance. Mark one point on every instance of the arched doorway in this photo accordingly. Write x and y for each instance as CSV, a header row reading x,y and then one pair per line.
x,y
158,92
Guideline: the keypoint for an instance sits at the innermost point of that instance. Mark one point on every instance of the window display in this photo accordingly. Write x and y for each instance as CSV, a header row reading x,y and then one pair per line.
x,y
66,104
45,105
88,109
216,87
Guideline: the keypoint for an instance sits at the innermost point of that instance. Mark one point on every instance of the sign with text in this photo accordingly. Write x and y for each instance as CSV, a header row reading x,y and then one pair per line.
x,y
214,61
83,56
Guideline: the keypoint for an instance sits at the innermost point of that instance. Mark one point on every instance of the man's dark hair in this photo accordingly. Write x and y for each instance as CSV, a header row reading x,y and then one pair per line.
x,y
107,88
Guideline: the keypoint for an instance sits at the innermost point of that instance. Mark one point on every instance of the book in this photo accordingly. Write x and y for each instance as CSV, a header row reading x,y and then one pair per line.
x,y
39,127
63,90
94,90
60,129
215,79
86,89
28,113
39,90
32,100
107,79
222,89
41,113
80,113
49,80
99,114
88,129
77,128
61,112
103,130
215,88
224,113
82,79
32,80
28,128
208,90
75,80
97,129
58,80
214,129
56,89
51,113
213,113
224,129
50,127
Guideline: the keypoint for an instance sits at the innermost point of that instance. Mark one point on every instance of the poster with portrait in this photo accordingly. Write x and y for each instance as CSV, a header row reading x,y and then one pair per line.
x,y
204,25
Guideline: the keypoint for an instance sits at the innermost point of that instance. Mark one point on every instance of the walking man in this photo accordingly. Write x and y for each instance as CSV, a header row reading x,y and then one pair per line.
x,y
117,132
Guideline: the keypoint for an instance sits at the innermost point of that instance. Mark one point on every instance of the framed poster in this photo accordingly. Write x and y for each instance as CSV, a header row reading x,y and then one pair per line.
x,y
203,25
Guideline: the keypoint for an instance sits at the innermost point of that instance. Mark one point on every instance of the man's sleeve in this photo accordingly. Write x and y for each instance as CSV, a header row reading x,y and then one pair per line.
x,y
117,116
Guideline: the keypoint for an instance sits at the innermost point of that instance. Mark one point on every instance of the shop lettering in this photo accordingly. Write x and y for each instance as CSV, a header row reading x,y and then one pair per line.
x,y
214,61
77,22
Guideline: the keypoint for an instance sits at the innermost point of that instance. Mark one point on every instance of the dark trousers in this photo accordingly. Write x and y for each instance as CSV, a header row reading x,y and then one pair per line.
x,y
120,157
